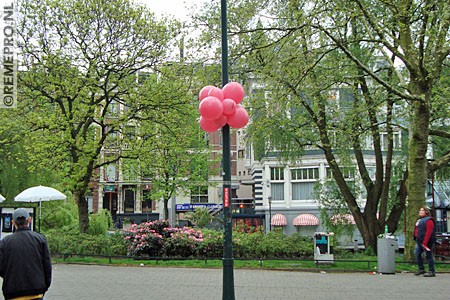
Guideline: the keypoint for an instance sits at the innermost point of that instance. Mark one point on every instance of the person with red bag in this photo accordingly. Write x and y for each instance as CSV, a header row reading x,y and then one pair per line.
x,y
425,237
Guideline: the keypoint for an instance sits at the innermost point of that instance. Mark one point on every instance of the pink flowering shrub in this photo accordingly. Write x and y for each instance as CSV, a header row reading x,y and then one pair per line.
x,y
182,242
157,238
145,239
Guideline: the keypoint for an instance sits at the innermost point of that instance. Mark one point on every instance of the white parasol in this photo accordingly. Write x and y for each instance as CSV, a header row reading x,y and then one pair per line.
x,y
38,194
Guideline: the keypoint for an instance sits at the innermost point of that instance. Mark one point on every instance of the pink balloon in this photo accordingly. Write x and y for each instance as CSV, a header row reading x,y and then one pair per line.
x,y
210,108
239,119
229,106
233,90
221,121
204,92
208,125
216,92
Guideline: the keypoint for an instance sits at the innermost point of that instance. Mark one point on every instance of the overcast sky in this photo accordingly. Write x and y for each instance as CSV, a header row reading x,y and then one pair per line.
x,y
176,8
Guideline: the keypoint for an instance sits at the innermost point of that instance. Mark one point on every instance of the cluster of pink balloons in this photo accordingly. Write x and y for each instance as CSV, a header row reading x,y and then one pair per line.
x,y
219,107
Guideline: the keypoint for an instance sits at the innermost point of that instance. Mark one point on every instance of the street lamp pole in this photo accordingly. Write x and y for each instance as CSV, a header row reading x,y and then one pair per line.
x,y
270,213
227,262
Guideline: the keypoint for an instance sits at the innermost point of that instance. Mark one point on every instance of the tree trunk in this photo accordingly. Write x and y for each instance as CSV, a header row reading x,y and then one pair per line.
x,y
417,168
369,232
166,208
83,213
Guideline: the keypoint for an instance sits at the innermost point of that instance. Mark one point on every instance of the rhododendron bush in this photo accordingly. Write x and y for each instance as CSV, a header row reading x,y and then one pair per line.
x,y
182,242
157,238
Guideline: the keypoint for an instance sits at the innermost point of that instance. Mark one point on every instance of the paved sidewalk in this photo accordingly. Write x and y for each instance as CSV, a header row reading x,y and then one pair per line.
x,y
75,282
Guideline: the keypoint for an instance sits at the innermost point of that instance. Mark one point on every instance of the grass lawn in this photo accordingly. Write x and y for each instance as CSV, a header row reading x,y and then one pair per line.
x,y
359,263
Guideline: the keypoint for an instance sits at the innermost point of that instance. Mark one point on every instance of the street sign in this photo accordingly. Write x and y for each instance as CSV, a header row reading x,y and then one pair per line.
x,y
109,188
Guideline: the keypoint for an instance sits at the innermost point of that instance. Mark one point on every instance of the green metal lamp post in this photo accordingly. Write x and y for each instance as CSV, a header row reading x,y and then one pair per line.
x,y
227,262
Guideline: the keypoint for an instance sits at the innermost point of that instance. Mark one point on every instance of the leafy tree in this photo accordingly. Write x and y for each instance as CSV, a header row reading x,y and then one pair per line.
x,y
79,87
173,152
16,170
415,35
100,222
59,216
200,217
383,55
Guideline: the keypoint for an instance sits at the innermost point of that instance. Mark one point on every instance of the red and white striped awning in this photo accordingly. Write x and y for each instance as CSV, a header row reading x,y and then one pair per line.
x,y
343,219
306,220
278,220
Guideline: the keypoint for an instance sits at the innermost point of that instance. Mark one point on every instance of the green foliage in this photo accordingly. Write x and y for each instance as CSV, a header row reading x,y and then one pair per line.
x,y
16,171
81,59
158,239
212,245
333,204
182,242
100,222
272,245
322,80
73,242
369,251
200,217
187,242
174,151
61,230
59,215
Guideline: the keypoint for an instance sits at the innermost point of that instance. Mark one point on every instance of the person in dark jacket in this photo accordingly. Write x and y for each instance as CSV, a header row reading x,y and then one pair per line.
x,y
25,263
425,236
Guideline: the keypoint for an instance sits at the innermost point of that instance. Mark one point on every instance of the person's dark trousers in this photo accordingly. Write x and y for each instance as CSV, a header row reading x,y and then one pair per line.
x,y
38,298
428,255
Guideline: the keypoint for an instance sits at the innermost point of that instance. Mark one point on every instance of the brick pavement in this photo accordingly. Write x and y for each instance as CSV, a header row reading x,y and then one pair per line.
x,y
72,282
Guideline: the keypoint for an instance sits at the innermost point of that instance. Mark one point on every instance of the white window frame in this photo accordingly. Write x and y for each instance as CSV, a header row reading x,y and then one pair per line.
x,y
304,175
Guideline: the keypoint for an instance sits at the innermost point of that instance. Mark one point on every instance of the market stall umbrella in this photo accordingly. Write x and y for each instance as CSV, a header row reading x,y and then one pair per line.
x,y
2,198
38,194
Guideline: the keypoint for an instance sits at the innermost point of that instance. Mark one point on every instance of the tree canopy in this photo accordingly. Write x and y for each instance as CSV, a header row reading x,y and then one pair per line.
x,y
336,74
79,81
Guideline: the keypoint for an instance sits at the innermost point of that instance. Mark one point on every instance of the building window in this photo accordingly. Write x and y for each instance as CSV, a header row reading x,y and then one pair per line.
x,y
277,174
110,172
277,191
129,200
395,139
384,141
113,109
305,174
303,181
112,139
347,173
303,190
199,194
277,183
147,203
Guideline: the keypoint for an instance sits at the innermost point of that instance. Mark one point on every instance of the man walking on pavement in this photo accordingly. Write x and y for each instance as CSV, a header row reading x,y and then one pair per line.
x,y
425,237
25,263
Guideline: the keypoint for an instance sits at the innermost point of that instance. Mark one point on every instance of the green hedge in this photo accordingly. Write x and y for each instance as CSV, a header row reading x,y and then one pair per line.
x,y
85,244
179,242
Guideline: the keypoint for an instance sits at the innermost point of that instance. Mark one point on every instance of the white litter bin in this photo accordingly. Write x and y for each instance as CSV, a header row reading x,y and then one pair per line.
x,y
387,245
